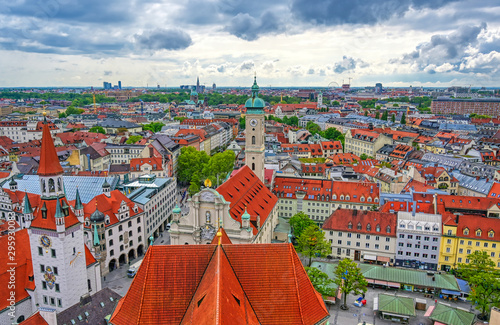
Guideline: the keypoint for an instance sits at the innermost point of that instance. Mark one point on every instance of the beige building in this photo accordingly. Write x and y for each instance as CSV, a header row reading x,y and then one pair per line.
x,y
366,142
368,236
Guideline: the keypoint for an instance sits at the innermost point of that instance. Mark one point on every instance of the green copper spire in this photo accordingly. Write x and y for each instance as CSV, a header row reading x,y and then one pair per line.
x,y
176,209
27,206
78,201
254,104
59,213
97,242
246,215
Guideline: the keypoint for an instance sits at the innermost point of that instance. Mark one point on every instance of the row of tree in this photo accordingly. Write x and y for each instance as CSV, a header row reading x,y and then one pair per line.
x,y
194,167
331,133
311,242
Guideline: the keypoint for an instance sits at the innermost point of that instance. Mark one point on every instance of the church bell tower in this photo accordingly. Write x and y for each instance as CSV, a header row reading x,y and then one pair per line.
x,y
255,133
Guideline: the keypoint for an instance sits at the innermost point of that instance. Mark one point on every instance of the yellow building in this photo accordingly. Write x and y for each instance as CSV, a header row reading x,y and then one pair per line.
x,y
465,234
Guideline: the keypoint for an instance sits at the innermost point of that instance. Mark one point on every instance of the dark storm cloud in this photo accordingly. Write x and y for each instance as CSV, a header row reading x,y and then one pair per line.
x,y
164,39
442,49
249,28
337,12
348,64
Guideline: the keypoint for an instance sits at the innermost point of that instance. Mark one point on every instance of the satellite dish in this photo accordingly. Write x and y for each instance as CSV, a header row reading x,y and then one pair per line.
x,y
208,183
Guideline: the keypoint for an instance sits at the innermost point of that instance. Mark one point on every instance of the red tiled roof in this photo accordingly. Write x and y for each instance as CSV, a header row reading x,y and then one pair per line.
x,y
224,238
470,203
142,161
110,206
344,158
245,190
89,258
228,284
35,319
417,186
340,219
23,268
494,191
407,206
50,222
49,162
473,223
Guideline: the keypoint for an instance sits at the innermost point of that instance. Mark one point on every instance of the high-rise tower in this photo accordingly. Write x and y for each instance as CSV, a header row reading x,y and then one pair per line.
x,y
255,133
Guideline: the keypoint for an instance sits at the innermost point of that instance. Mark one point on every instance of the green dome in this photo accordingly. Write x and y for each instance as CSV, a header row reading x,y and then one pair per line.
x,y
245,216
255,101
194,93
176,209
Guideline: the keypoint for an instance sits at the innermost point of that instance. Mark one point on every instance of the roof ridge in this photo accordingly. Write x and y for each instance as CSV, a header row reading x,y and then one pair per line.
x,y
143,284
295,281
237,278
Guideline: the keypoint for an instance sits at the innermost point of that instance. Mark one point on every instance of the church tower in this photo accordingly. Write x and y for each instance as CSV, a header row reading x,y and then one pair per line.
x,y
56,237
255,133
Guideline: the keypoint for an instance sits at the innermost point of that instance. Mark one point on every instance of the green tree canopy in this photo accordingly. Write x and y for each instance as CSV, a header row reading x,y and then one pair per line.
x,y
219,166
385,115
153,126
313,128
363,156
299,222
133,139
312,242
321,282
97,129
484,281
71,110
403,119
242,123
377,115
349,279
180,118
190,161
393,118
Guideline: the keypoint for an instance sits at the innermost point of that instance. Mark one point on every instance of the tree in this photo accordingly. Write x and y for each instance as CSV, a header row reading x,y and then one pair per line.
x,y
71,110
320,281
385,115
153,126
243,122
335,103
403,119
312,242
313,128
194,186
97,129
219,166
180,118
483,279
393,118
349,279
299,222
190,161
332,134
366,113
363,156
133,139
62,115
377,115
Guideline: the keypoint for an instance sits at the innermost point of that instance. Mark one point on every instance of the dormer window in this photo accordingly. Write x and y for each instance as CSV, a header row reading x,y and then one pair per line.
x,y
334,196
349,225
369,199
377,228
478,232
347,198
368,227
362,199
388,229
466,231
359,226
491,234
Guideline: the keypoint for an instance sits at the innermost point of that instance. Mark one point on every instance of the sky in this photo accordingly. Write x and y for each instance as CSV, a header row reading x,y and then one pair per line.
x,y
315,43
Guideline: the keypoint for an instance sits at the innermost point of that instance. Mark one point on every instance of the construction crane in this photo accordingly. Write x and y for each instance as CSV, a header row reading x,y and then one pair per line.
x,y
95,106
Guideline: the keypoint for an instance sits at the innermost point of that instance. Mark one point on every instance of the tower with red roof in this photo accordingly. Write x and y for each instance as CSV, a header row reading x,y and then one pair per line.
x,y
56,237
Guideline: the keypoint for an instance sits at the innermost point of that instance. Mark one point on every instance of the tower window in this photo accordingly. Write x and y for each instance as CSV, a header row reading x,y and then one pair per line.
x,y
253,139
52,187
253,166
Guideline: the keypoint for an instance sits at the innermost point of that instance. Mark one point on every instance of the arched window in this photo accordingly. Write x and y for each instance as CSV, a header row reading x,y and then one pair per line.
x,y
44,188
59,187
52,187
388,229
349,225
342,197
359,226
466,231
369,199
253,166
253,139
368,227
334,196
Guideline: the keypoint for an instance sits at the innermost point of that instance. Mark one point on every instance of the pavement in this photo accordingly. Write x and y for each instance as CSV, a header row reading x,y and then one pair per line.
x,y
358,315
118,281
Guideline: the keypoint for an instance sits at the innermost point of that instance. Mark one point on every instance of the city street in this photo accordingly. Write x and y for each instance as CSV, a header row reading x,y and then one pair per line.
x,y
118,280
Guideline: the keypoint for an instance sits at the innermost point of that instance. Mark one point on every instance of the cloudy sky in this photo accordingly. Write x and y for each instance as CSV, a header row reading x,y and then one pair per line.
x,y
286,42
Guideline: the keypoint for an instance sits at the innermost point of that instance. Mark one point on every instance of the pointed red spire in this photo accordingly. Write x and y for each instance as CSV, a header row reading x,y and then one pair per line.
x,y
49,163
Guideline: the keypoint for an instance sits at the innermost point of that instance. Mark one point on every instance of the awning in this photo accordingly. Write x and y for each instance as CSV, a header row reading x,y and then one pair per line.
x,y
383,259
393,284
449,292
464,286
370,280
384,283
370,257
429,311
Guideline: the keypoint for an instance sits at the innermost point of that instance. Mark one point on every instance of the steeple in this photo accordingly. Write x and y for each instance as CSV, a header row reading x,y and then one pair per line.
x,y
78,201
13,184
49,162
27,206
106,188
59,216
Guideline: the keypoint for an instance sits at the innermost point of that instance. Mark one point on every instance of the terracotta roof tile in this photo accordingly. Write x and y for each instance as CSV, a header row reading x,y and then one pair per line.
x,y
35,319
348,220
49,162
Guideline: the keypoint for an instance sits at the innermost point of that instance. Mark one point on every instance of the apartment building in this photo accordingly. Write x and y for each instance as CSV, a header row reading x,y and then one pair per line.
x,y
365,142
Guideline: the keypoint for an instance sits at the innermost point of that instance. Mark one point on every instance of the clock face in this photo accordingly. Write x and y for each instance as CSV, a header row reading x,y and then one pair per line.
x,y
253,122
45,241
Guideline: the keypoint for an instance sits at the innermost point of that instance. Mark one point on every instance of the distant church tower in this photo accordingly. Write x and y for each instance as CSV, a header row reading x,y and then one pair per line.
x,y
255,133
320,100
198,85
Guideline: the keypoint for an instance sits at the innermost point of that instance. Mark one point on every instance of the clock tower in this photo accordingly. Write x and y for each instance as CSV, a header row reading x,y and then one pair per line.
x,y
255,133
